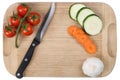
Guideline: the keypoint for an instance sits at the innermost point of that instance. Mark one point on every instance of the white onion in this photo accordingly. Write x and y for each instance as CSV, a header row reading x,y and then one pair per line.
x,y
93,67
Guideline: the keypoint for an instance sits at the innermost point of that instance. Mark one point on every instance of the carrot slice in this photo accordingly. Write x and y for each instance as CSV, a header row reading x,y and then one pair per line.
x,y
78,32
82,38
72,29
90,48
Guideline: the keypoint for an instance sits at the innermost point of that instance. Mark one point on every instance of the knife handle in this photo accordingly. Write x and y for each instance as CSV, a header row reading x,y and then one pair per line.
x,y
26,59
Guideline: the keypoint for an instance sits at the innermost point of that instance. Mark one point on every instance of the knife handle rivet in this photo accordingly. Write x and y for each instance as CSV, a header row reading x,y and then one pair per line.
x,y
18,74
25,59
33,44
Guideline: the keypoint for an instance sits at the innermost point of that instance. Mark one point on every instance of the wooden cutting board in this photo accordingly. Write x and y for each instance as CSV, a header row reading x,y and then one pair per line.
x,y
59,54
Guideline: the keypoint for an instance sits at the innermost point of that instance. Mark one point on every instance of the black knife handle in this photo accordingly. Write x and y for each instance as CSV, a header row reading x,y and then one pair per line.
x,y
26,59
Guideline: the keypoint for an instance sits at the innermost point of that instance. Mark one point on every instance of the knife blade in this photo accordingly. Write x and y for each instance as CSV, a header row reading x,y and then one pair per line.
x,y
36,41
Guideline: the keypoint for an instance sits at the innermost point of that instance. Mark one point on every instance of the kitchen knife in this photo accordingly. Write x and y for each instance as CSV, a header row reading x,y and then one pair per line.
x,y
36,41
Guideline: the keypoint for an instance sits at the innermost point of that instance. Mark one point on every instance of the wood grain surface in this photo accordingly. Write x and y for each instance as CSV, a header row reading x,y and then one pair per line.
x,y
59,54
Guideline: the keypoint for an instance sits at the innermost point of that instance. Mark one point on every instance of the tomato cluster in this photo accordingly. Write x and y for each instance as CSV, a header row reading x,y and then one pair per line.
x,y
31,20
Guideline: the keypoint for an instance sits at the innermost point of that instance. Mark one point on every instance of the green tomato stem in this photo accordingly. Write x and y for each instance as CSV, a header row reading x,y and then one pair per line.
x,y
18,29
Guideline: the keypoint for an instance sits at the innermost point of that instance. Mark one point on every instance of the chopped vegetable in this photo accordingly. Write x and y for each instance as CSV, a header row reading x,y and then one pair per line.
x,y
82,14
73,10
92,24
92,67
71,29
89,21
82,38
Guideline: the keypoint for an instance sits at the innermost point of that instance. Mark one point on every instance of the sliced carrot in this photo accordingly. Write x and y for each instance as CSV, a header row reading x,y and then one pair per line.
x,y
87,43
83,39
91,48
78,32
71,29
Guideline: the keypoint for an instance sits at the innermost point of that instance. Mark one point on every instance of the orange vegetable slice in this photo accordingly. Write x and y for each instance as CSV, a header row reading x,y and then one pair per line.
x,y
83,39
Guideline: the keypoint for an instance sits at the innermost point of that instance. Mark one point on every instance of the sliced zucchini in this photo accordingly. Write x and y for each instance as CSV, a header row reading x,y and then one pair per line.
x,y
82,14
92,24
73,10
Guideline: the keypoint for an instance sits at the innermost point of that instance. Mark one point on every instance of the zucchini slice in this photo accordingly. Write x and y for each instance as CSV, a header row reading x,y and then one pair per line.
x,y
92,24
82,14
73,10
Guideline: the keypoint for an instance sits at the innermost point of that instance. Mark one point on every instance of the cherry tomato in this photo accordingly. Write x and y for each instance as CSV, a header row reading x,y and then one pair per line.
x,y
26,29
15,20
22,9
33,18
9,31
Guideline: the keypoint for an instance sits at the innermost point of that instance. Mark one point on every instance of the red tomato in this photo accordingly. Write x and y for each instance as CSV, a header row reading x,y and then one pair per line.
x,y
15,20
22,9
33,18
9,31
26,29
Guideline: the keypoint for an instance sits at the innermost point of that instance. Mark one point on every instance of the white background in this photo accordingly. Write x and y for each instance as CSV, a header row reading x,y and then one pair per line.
x,y
4,75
